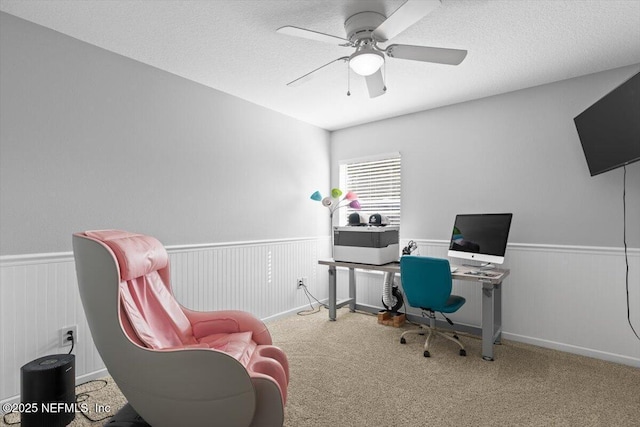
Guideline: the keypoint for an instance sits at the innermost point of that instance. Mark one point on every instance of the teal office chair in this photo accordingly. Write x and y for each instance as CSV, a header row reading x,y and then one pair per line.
x,y
427,285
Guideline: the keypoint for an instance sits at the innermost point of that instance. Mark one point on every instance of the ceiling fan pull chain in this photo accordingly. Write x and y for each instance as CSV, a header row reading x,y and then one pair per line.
x,y
348,79
384,76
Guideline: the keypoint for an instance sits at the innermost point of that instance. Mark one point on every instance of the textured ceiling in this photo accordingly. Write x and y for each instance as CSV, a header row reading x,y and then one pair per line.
x,y
232,46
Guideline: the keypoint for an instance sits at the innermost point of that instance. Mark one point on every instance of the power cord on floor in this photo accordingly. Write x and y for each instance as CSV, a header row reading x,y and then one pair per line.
x,y
312,310
81,397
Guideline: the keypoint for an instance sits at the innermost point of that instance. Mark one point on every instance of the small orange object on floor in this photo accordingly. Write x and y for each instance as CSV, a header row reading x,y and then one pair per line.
x,y
391,319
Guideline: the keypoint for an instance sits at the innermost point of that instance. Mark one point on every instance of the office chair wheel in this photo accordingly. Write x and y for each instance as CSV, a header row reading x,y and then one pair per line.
x,y
463,352
456,337
426,353
402,340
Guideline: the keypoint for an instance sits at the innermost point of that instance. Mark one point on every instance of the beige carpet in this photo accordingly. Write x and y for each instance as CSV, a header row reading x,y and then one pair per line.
x,y
354,372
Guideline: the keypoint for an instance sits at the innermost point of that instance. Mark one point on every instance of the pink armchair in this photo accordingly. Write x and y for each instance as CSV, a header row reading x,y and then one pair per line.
x,y
175,366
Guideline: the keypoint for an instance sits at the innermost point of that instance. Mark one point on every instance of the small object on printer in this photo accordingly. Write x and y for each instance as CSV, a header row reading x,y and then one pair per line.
x,y
379,220
356,219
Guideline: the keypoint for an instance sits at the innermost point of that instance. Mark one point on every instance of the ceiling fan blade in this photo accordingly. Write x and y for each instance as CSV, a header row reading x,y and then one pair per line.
x,y
375,84
405,16
309,75
310,34
427,54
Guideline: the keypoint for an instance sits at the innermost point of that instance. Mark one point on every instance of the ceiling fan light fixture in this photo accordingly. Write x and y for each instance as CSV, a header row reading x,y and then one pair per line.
x,y
366,61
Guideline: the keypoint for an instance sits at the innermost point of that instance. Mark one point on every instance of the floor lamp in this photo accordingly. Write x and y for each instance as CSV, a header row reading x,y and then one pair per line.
x,y
334,202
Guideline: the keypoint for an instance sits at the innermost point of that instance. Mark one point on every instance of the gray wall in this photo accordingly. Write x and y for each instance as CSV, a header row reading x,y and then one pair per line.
x,y
517,152
90,139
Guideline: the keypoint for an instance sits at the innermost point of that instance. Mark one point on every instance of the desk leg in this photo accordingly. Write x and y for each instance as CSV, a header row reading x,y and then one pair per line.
x,y
332,292
352,289
488,320
497,314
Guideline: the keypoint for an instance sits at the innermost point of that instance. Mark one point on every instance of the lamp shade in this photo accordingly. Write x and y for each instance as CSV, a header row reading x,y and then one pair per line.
x,y
327,202
316,196
351,196
366,61
336,192
355,205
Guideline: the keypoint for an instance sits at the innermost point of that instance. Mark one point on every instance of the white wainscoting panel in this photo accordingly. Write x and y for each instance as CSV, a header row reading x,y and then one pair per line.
x,y
257,277
574,299
39,295
563,297
569,298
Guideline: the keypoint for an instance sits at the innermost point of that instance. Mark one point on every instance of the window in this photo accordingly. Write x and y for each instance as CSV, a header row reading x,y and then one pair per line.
x,y
376,181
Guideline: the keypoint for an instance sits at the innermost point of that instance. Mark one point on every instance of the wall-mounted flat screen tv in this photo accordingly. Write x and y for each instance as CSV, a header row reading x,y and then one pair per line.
x,y
609,130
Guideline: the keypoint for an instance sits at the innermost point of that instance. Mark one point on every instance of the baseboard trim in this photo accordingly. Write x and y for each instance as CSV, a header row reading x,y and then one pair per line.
x,y
292,311
477,331
95,375
568,348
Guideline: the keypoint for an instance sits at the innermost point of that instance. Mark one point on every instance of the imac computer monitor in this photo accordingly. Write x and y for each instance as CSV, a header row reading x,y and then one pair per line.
x,y
480,237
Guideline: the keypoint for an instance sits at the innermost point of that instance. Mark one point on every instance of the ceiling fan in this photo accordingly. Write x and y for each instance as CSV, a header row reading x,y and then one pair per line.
x,y
365,30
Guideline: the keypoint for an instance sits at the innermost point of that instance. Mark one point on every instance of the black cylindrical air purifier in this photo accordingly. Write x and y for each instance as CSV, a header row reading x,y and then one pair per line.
x,y
47,391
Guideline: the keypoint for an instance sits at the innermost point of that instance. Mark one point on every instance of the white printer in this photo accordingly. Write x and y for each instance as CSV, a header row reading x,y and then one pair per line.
x,y
366,244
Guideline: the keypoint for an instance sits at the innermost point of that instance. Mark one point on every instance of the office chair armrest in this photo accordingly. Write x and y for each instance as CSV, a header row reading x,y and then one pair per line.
x,y
206,323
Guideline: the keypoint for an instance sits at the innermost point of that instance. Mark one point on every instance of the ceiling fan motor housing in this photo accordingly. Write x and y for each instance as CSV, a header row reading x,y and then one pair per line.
x,y
361,25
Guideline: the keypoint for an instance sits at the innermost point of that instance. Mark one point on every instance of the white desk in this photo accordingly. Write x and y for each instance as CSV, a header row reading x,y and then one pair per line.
x,y
491,282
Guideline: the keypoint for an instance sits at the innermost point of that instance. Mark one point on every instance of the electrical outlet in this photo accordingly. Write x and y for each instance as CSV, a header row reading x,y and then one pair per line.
x,y
63,335
302,281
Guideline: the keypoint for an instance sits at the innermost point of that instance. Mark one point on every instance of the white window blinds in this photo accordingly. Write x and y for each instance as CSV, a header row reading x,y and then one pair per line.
x,y
377,184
